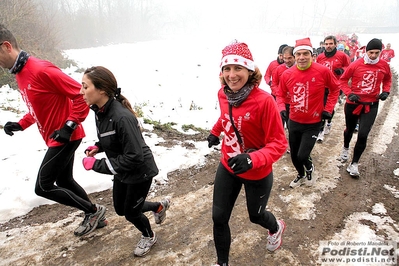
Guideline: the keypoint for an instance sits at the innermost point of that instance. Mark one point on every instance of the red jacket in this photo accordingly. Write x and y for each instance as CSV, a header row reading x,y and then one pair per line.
x,y
269,71
352,51
366,80
339,60
387,55
276,80
306,89
52,98
259,123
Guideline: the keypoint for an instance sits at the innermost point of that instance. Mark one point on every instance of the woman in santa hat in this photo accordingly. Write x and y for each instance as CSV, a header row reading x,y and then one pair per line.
x,y
253,140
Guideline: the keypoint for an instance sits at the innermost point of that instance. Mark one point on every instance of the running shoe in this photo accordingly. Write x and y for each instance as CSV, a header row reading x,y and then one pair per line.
x,y
327,128
320,137
274,241
357,127
90,221
144,245
299,180
353,170
160,216
344,154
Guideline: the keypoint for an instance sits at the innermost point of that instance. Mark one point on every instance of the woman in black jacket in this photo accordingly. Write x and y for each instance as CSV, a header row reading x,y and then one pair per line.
x,y
128,157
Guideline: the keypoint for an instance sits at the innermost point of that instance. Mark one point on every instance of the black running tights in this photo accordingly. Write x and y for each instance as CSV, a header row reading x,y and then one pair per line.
x,y
129,201
226,190
55,179
366,121
302,138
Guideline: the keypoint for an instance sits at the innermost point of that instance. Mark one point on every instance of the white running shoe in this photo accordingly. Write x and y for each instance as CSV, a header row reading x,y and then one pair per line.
x,y
327,128
299,180
320,137
274,241
144,245
160,216
344,154
353,170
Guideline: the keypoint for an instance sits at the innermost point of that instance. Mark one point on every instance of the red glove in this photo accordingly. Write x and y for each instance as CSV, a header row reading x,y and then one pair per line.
x,y
91,149
88,163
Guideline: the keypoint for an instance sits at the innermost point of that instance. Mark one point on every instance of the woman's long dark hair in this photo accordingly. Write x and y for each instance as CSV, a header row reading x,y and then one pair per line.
x,y
103,79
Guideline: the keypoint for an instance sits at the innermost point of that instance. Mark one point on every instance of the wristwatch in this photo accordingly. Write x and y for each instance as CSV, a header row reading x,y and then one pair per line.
x,y
71,124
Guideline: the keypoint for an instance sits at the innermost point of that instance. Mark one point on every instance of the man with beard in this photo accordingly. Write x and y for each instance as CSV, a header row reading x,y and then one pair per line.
x,y
337,63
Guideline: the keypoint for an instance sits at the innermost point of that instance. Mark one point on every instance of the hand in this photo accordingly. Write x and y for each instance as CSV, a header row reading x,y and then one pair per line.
x,y
353,98
326,115
240,163
339,71
62,135
383,96
9,127
284,115
212,140
88,163
270,83
91,151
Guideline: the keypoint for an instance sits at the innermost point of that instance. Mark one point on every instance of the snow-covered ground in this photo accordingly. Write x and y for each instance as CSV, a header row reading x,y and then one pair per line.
x,y
164,79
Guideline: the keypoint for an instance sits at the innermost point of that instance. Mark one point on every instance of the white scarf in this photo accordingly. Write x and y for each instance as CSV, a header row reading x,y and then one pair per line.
x,y
367,60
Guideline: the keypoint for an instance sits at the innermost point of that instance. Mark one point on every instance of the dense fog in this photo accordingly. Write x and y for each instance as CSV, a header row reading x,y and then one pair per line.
x,y
98,22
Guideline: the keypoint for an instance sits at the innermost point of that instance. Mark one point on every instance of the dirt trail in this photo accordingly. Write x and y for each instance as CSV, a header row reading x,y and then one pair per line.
x,y
45,235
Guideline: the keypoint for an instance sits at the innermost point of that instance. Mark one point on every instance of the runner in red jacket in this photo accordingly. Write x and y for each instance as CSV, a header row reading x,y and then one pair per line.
x,y
289,61
56,106
366,77
272,66
387,54
336,63
253,140
305,83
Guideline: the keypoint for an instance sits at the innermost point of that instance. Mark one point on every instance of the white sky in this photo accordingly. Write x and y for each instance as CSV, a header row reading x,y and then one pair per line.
x,y
164,77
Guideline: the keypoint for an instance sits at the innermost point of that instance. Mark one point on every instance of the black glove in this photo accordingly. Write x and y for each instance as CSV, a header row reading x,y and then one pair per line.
x,y
383,96
326,115
353,98
338,71
212,140
240,163
62,135
284,115
9,127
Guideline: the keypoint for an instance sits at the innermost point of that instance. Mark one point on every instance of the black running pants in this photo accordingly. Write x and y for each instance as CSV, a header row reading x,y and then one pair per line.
x,y
129,201
226,190
55,179
366,122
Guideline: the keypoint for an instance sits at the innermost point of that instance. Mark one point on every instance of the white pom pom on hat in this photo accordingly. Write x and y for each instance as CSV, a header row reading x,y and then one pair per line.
x,y
237,53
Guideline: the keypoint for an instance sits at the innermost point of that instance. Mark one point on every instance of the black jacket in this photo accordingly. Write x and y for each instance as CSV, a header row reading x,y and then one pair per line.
x,y
129,158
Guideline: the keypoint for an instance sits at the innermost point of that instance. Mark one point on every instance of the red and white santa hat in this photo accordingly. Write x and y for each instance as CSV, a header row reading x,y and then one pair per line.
x,y
237,53
303,44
